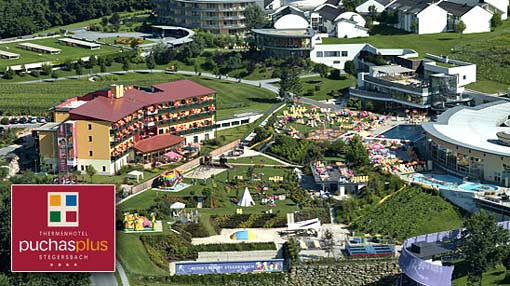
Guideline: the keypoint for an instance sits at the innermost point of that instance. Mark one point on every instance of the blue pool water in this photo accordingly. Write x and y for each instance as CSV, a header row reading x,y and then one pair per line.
x,y
437,181
405,132
475,187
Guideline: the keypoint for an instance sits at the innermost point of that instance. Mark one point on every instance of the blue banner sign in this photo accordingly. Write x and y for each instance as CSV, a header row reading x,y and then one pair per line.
x,y
256,266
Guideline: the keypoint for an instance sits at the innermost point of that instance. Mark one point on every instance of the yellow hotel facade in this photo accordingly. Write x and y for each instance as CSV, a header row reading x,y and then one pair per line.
x,y
107,129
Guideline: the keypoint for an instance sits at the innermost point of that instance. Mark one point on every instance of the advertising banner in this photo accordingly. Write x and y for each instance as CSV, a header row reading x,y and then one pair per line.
x,y
63,228
269,265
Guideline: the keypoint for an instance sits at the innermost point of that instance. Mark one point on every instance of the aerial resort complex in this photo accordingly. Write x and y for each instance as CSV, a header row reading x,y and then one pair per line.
x,y
243,142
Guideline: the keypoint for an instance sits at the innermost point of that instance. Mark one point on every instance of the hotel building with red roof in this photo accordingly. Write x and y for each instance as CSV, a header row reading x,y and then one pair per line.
x,y
109,128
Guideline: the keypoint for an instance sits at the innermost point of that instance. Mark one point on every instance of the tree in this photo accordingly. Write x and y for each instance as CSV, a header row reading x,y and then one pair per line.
x,y
162,53
133,43
460,27
9,74
150,62
414,26
68,65
372,10
496,20
350,67
329,242
91,171
125,64
350,5
104,21
321,69
483,244
46,69
290,81
254,17
357,153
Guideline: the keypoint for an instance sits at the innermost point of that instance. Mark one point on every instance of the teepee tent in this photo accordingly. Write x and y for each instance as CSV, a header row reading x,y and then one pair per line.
x,y
246,200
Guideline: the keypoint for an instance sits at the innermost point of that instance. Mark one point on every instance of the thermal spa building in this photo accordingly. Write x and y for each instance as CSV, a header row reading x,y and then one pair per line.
x,y
473,142
109,128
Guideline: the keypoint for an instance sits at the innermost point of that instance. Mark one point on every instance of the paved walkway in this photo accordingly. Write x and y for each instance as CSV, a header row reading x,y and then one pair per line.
x,y
103,279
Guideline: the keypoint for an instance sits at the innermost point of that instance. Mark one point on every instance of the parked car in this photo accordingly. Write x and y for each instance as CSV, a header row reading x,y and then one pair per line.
x,y
32,120
41,120
14,121
23,120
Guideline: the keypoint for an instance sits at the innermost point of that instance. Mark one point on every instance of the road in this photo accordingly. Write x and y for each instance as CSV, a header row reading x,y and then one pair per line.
x,y
103,279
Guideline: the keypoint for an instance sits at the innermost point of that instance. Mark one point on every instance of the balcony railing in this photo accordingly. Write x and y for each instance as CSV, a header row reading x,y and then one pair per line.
x,y
390,84
187,106
183,119
194,130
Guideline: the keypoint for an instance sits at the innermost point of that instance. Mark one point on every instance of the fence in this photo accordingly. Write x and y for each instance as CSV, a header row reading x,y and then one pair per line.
x,y
187,166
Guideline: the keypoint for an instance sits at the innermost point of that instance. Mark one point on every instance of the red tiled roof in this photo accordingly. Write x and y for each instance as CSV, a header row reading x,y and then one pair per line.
x,y
158,142
112,109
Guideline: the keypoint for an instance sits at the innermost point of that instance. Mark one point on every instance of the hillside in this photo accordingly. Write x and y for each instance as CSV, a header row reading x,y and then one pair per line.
x,y
23,17
409,213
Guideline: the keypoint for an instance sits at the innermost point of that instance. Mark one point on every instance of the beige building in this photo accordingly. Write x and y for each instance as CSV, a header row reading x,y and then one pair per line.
x,y
473,142
109,128
215,16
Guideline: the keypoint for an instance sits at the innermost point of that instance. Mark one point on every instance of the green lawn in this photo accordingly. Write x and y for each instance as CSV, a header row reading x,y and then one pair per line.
x,y
232,97
133,256
495,276
66,53
139,14
487,50
327,86
254,160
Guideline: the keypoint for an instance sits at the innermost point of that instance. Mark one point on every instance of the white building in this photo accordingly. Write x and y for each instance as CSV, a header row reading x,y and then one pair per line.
x,y
429,17
476,18
500,6
335,56
472,142
288,17
337,22
420,16
378,6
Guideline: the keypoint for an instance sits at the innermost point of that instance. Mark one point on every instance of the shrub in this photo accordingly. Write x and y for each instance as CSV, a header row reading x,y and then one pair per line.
x,y
4,121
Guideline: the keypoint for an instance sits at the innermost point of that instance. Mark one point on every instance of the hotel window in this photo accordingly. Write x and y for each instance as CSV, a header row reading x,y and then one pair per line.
x,y
90,138
91,153
90,126
320,54
82,167
345,53
104,169
210,5
227,5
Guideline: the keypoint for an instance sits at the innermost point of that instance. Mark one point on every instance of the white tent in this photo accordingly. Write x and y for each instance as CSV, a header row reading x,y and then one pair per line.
x,y
246,200
135,175
177,205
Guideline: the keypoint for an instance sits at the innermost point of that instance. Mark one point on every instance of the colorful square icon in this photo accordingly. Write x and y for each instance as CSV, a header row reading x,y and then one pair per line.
x,y
63,209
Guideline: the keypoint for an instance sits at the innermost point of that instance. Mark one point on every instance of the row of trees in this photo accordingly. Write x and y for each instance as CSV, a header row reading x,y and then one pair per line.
x,y
22,17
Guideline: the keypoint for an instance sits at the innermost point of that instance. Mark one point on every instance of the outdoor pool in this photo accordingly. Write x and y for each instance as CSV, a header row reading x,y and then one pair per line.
x,y
475,187
404,132
437,181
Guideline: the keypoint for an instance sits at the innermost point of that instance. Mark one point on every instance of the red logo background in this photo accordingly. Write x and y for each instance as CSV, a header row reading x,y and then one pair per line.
x,y
29,218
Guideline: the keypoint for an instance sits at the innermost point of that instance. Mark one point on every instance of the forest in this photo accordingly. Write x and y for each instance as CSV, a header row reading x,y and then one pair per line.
x,y
23,17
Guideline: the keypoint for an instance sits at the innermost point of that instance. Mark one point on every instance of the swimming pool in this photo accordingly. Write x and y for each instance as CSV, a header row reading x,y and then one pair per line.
x,y
475,187
437,181
404,132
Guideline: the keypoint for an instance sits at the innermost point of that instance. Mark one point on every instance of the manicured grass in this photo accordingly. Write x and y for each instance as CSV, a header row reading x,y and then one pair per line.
x,y
327,86
255,160
487,50
67,52
133,256
232,97
492,277
222,197
98,21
